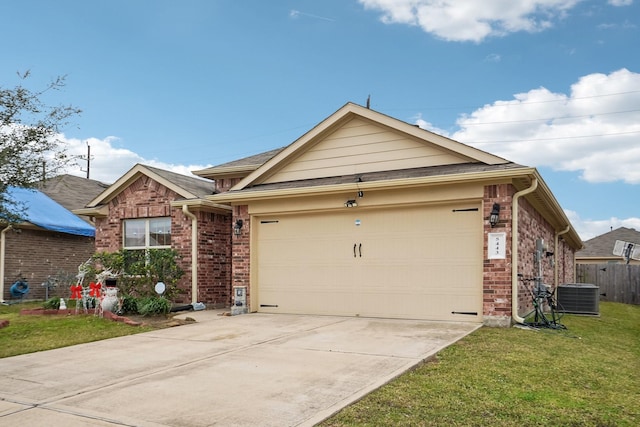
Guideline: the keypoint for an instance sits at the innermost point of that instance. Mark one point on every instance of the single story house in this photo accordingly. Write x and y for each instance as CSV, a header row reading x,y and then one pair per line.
x,y
49,242
602,249
363,215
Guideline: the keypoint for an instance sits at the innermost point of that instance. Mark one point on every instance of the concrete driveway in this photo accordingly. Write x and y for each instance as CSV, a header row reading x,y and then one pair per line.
x,y
248,370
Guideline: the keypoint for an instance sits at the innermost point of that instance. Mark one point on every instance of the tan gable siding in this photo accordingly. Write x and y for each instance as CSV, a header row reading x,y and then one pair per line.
x,y
361,146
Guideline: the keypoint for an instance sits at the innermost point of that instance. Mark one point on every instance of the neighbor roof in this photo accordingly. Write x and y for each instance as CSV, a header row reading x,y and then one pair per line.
x,y
70,191
602,246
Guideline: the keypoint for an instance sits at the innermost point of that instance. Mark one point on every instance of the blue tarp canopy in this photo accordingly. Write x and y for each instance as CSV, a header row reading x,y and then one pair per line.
x,y
39,209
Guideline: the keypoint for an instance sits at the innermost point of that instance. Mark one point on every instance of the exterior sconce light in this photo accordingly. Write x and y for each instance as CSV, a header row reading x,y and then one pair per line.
x,y
360,193
237,227
350,203
495,215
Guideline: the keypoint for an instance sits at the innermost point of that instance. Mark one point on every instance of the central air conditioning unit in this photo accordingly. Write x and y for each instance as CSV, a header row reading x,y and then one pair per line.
x,y
579,298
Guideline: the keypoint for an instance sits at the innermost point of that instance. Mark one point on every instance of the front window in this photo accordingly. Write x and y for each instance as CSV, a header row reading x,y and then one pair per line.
x,y
140,235
147,233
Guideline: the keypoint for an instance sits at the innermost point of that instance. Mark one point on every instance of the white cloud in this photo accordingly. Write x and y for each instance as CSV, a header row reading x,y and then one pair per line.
x,y
108,163
464,20
593,130
620,2
588,228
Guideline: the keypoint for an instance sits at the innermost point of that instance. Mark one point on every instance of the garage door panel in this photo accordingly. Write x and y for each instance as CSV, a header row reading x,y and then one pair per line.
x,y
419,262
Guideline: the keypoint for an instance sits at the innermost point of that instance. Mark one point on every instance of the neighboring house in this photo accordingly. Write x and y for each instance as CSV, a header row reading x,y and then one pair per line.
x,y
72,192
364,215
599,250
49,242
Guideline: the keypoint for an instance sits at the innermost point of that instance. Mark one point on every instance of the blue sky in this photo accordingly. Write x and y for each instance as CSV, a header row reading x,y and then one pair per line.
x,y
187,84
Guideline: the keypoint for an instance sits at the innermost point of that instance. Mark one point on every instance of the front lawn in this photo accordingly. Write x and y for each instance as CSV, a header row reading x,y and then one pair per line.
x,y
588,375
31,333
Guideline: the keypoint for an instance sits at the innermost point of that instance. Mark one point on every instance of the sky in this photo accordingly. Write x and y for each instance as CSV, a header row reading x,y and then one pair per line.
x,y
183,85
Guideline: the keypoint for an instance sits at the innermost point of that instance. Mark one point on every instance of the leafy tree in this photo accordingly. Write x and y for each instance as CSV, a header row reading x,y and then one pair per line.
x,y
29,148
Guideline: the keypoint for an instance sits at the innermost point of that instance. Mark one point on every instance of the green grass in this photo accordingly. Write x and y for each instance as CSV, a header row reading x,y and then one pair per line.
x,y
588,375
31,333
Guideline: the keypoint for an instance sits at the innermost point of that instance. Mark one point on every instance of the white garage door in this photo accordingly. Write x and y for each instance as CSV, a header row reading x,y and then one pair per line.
x,y
422,262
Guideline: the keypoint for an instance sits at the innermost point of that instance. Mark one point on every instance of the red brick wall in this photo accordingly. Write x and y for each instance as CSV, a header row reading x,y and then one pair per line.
x,y
214,258
37,254
146,198
224,184
497,272
531,226
241,250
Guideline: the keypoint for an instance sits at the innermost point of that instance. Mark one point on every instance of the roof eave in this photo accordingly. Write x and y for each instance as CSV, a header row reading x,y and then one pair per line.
x,y
247,195
202,205
100,211
128,178
226,172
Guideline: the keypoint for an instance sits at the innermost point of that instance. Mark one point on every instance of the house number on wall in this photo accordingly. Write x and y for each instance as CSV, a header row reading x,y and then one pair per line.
x,y
497,243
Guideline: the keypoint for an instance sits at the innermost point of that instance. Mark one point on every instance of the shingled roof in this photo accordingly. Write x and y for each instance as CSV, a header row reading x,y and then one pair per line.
x,y
198,186
386,175
72,192
602,246
240,167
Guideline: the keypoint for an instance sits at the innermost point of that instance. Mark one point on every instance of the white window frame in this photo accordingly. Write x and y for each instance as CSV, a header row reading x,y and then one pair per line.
x,y
147,234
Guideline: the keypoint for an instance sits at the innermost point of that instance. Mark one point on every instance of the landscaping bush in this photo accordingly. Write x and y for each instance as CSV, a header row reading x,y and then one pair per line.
x,y
139,271
129,305
150,306
52,304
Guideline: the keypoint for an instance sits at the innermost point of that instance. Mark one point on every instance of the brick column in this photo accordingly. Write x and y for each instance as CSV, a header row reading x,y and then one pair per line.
x,y
497,272
241,250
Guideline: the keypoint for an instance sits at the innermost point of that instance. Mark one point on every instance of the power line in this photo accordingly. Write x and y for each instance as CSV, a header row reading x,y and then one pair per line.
x,y
517,103
551,118
552,139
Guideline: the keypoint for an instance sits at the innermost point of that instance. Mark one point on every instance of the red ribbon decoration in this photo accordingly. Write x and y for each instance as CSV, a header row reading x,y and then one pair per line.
x,y
76,292
95,289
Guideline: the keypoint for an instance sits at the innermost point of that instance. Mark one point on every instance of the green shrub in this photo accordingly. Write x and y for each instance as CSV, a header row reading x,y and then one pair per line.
x,y
129,305
52,304
150,306
139,271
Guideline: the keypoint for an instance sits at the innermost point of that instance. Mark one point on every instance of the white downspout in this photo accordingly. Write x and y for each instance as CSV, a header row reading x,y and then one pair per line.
x,y
194,253
2,253
556,255
514,249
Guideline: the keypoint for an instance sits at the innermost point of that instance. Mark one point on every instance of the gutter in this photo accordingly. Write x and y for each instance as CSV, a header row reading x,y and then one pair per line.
x,y
2,254
194,253
556,255
514,249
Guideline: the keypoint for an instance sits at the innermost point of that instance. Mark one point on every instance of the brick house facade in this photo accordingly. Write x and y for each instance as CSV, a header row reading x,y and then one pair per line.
x,y
539,217
239,192
36,254
147,193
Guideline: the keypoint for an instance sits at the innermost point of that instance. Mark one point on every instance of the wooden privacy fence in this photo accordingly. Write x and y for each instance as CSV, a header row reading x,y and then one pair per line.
x,y
617,282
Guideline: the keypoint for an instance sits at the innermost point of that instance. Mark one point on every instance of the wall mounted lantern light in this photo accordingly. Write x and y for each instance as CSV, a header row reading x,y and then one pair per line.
x,y
237,227
494,217
350,203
